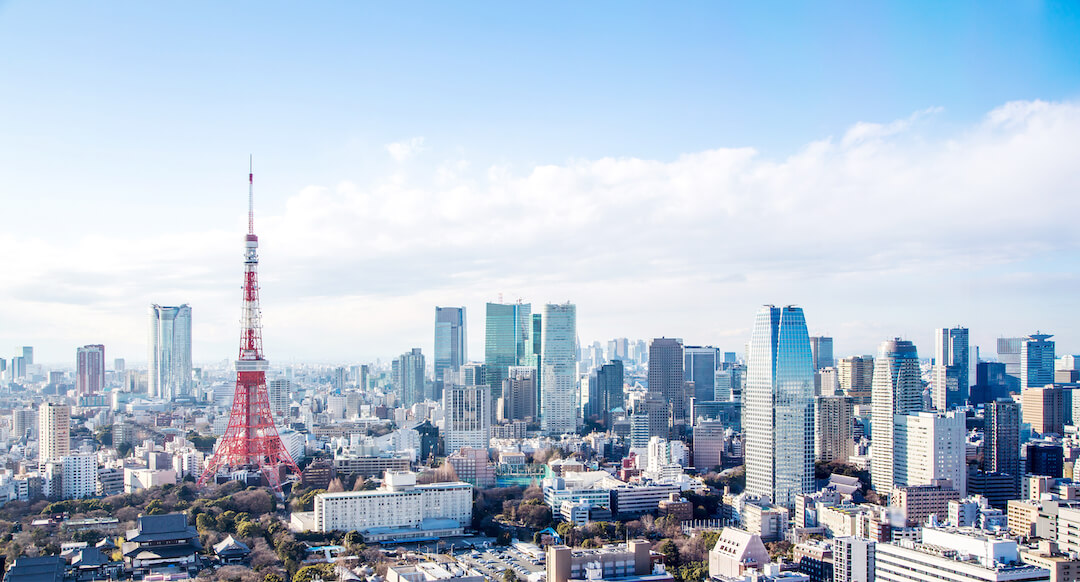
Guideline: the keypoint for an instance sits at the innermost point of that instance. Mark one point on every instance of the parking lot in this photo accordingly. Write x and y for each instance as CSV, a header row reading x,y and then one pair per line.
x,y
493,562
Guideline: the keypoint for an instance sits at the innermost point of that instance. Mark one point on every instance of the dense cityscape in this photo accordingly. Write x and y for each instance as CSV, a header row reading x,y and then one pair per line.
x,y
547,459
539,292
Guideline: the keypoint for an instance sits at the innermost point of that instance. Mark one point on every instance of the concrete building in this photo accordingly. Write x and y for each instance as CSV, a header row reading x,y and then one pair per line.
x,y
930,447
897,390
54,431
1036,361
440,569
952,556
468,415
667,383
472,466
735,553
90,370
835,420
769,522
853,559
1044,408
399,510
917,502
631,561
80,476
856,377
1062,567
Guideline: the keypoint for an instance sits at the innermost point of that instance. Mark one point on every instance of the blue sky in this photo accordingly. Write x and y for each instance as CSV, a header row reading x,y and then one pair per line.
x,y
127,125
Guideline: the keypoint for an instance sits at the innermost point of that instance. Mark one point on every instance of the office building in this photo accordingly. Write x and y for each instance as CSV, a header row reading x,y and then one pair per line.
x,y
951,368
991,383
1044,459
1044,409
918,502
90,370
507,339
856,378
668,387
605,392
54,431
399,510
28,355
779,407
835,418
629,562
24,423
1036,361
519,400
953,556
411,373
280,392
450,342
699,366
1001,439
170,352
468,417
559,399
822,350
472,466
897,389
930,447
17,369
853,559
708,444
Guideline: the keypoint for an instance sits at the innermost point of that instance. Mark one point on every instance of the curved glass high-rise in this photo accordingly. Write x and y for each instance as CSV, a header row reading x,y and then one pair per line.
x,y
169,374
779,407
897,389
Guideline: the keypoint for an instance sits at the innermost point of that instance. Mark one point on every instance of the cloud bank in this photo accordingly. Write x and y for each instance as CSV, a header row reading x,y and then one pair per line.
x,y
889,229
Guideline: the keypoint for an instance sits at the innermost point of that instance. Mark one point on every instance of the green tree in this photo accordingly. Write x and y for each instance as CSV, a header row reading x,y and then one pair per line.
x,y
155,508
310,573
670,551
509,576
248,529
272,577
205,522
692,572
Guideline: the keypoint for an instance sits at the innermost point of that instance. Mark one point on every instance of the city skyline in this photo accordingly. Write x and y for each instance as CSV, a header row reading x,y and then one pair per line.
x,y
531,176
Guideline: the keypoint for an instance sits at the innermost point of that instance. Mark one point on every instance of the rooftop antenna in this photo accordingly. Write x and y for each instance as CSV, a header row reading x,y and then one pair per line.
x,y
251,195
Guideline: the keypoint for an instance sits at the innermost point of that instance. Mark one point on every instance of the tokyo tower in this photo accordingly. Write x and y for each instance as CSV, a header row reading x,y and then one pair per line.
x,y
251,440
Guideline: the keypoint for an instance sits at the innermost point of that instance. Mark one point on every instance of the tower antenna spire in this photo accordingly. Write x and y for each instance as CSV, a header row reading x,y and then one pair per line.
x,y
251,195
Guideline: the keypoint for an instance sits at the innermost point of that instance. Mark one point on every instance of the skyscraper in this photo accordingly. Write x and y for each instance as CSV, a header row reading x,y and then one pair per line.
x,y
450,340
519,394
897,390
54,431
951,368
507,339
468,417
1001,440
699,367
558,365
411,370
90,369
856,377
822,349
835,420
605,392
779,407
667,381
927,447
1036,361
280,393
170,352
28,355
1008,350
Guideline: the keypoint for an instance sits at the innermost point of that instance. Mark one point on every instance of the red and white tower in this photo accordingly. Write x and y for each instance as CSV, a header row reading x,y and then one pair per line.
x,y
251,440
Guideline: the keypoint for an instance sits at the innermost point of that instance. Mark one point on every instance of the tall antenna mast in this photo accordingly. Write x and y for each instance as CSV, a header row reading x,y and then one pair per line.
x,y
251,195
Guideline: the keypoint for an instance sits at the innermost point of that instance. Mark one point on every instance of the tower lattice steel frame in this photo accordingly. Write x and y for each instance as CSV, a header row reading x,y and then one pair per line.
x,y
251,439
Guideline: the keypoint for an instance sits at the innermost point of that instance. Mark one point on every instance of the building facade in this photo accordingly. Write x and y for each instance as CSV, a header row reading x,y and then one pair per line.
x,y
90,370
558,370
779,407
450,342
897,389
169,359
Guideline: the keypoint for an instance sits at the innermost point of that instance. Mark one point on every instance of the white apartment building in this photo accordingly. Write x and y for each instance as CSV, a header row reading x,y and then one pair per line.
x,y
54,431
853,559
468,415
80,476
399,510
952,556
929,447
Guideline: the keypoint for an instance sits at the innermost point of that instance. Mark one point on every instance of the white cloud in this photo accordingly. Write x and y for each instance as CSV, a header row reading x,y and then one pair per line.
x,y
876,235
405,149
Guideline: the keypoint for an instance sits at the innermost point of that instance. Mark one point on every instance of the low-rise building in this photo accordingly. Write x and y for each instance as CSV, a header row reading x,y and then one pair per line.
x,y
1063,567
918,502
162,544
628,562
736,551
949,555
765,520
399,510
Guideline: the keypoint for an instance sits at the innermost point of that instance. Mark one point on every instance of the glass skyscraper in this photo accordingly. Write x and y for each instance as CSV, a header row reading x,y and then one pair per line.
x,y
558,370
951,368
169,374
699,367
450,340
1036,361
779,407
507,340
